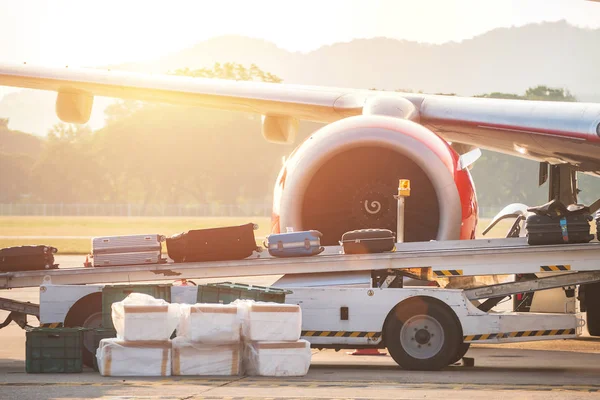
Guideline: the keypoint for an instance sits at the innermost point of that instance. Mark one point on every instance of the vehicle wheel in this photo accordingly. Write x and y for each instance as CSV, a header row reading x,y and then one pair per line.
x,y
462,350
592,305
422,335
87,313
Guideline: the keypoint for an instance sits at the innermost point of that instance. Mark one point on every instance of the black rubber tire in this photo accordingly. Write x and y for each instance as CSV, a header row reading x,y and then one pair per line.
x,y
460,353
76,317
433,309
592,306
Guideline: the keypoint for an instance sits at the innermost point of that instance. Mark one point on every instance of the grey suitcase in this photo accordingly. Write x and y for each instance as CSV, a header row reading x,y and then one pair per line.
x,y
114,259
127,250
294,244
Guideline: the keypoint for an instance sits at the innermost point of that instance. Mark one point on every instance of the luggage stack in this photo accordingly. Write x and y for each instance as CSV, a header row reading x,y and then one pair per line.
x,y
294,244
27,258
366,241
142,347
109,251
215,244
272,345
208,341
553,223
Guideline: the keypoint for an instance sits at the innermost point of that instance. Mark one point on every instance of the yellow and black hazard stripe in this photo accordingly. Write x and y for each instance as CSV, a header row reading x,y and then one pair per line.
x,y
353,334
548,332
52,325
551,268
449,272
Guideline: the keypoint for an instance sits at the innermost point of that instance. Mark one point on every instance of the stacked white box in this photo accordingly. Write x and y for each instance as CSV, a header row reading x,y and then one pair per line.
x,y
144,326
120,358
210,323
193,358
209,340
142,317
277,358
271,322
271,333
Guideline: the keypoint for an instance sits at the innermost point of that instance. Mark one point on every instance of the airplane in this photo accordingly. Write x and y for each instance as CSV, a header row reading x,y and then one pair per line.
x,y
343,177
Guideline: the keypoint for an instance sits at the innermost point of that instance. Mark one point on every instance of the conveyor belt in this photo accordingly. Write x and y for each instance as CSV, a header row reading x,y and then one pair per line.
x,y
450,258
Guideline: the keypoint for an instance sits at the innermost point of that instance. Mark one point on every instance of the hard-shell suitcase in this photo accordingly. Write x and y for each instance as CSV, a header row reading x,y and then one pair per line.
x,y
27,258
364,241
133,258
215,244
294,244
126,250
544,229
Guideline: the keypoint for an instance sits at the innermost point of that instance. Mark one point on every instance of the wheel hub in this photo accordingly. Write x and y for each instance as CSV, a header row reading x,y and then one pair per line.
x,y
422,337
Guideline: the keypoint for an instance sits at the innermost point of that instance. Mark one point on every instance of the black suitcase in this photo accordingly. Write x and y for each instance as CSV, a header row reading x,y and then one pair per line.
x,y
365,241
598,225
216,244
27,258
544,229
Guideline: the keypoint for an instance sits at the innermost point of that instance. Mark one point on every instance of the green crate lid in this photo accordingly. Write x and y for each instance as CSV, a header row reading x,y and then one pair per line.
x,y
56,330
241,286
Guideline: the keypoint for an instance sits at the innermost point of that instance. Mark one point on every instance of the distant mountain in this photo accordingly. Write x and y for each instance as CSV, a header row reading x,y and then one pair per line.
x,y
502,60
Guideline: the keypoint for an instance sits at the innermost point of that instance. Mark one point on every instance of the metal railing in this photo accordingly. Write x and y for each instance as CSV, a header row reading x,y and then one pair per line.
x,y
157,210
138,210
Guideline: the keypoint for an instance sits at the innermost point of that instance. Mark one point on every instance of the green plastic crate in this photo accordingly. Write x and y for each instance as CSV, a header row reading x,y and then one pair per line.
x,y
100,334
227,292
115,293
54,350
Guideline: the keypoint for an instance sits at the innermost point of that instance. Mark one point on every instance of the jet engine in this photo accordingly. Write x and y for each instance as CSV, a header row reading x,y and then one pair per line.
x,y
345,175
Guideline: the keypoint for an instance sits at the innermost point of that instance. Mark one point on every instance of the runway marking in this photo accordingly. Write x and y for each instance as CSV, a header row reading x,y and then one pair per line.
x,y
547,332
297,383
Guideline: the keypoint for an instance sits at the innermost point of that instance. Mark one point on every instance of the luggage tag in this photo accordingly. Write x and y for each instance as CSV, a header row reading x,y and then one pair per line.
x,y
564,230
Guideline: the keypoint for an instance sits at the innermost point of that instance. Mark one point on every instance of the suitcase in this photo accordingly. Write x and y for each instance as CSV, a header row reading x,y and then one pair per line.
x,y
544,229
215,244
126,250
176,247
365,241
294,244
27,258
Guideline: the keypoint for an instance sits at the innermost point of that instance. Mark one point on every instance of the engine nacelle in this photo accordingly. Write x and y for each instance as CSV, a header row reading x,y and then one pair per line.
x,y
344,177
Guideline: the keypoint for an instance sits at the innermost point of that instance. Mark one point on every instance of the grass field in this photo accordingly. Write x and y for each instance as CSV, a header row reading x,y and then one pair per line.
x,y
86,227
12,229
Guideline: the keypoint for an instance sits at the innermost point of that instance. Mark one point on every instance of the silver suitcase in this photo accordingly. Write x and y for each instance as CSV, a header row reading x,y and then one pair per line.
x,y
127,250
111,260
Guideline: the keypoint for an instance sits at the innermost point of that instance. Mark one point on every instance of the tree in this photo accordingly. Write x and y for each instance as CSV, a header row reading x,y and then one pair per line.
x,y
67,171
232,71
540,92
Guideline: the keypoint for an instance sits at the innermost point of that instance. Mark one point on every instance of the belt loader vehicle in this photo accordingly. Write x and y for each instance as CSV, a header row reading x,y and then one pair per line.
x,y
423,328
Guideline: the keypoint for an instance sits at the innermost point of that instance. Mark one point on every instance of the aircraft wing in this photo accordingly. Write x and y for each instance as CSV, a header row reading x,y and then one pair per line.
x,y
544,131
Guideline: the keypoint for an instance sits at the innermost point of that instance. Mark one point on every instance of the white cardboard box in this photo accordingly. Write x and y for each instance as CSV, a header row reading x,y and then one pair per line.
x,y
210,323
190,358
267,322
141,317
277,358
119,358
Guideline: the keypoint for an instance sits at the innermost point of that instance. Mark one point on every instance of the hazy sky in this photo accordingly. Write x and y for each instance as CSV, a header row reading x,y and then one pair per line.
x,y
94,32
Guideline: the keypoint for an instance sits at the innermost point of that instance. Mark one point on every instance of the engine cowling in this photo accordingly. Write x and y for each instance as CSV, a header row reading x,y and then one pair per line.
x,y
345,175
